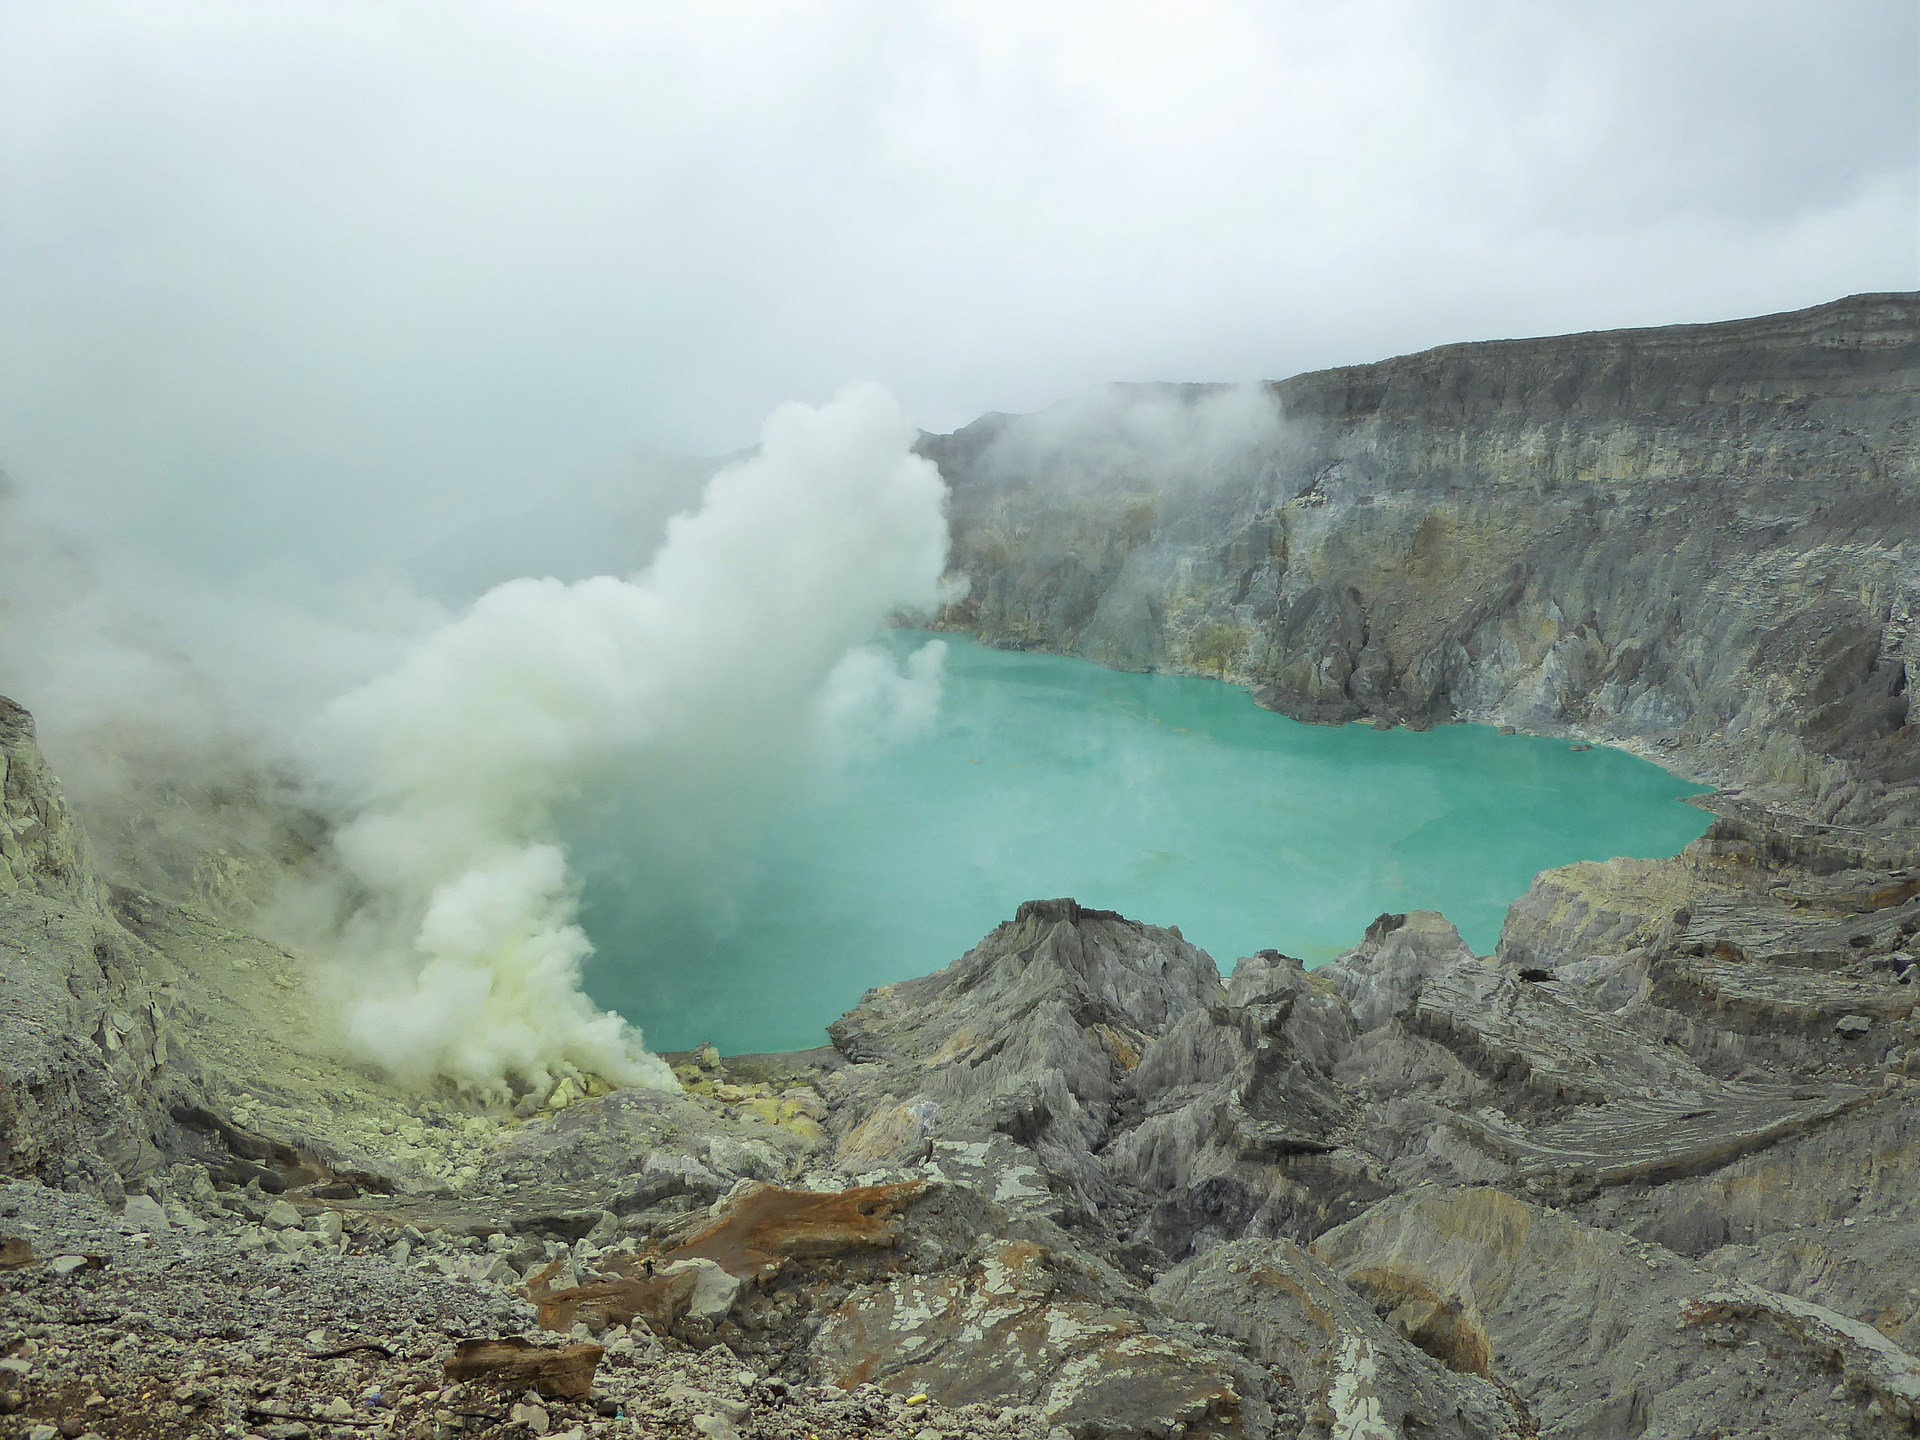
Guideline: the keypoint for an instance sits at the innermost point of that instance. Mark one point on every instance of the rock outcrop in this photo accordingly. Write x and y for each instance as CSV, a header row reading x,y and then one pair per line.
x,y
1470,533
83,1010
1612,1336
1452,1134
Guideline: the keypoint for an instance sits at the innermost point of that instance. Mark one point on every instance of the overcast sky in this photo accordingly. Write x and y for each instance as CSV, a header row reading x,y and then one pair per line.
x,y
327,276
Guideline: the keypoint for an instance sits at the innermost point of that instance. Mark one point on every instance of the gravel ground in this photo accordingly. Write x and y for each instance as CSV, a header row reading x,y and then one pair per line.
x,y
191,1320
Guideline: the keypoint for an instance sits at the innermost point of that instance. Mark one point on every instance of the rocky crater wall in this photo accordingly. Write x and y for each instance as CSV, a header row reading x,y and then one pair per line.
x,y
1696,540
1649,1170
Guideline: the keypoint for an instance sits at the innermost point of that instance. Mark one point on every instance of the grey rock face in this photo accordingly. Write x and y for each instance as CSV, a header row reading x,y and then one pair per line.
x,y
1320,1108
1464,533
1386,972
134,1032
82,1022
42,850
1029,1035
1606,1336
1348,1371
1027,1326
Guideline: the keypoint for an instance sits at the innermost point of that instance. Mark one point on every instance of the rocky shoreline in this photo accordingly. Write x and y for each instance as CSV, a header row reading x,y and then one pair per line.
x,y
1652,1168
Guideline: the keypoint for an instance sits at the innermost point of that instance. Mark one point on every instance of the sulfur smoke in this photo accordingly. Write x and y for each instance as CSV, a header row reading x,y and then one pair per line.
x,y
1151,438
738,656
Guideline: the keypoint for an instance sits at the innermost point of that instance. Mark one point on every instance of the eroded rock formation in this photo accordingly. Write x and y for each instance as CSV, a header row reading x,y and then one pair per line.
x,y
1697,538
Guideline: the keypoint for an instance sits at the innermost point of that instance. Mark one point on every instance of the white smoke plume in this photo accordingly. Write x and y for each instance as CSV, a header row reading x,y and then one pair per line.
x,y
738,652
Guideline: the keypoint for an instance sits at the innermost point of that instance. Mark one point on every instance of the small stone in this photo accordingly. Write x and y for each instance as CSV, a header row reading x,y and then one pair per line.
x,y
494,1270
534,1417
338,1408
67,1264
1852,1025
73,1427
143,1212
565,1373
714,1290
715,1427
282,1216
43,1432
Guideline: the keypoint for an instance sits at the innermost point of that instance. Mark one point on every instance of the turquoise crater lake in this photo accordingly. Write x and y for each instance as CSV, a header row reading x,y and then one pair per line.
x,y
1173,800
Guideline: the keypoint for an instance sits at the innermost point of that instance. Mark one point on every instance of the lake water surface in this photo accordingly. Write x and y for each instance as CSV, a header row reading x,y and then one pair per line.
x,y
1173,800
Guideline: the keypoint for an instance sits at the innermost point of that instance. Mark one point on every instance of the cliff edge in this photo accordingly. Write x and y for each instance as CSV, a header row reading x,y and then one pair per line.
x,y
1696,540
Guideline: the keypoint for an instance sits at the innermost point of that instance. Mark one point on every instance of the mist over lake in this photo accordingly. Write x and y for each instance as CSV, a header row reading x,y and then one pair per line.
x,y
1171,799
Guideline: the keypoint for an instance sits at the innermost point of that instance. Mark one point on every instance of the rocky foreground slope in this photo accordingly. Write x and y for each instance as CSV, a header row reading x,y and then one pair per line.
x,y
1648,1170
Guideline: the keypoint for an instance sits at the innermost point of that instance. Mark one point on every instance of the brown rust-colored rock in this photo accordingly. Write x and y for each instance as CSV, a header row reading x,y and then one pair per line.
x,y
561,1374
658,1301
1013,1330
769,1224
751,1240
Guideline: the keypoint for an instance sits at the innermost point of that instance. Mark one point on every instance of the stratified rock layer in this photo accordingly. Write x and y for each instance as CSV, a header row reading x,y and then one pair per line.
x,y
1697,538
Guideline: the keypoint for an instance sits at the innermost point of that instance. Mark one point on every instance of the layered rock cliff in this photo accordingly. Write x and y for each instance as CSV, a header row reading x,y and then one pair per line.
x,y
1696,539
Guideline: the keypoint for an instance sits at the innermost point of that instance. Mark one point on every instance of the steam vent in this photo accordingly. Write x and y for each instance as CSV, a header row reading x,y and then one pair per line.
x,y
1644,1161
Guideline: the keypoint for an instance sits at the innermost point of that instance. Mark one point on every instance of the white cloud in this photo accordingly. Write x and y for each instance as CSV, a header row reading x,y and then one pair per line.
x,y
332,276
